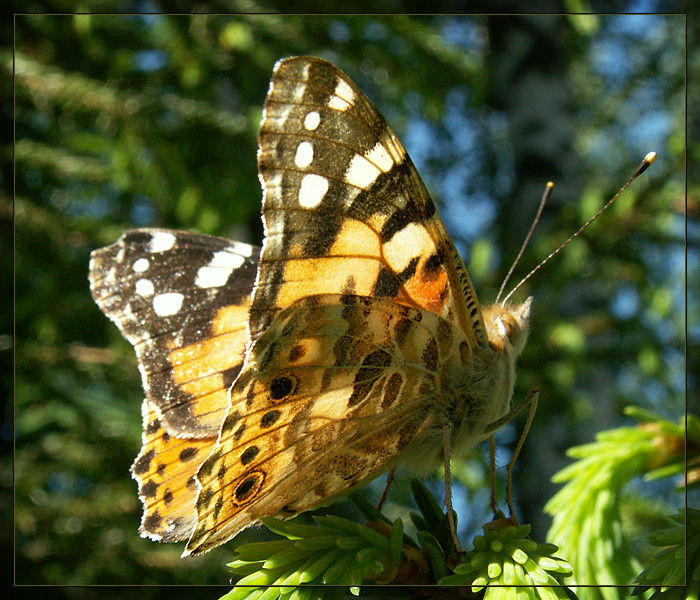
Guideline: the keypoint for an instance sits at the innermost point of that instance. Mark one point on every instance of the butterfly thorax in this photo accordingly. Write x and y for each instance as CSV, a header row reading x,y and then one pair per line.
x,y
475,394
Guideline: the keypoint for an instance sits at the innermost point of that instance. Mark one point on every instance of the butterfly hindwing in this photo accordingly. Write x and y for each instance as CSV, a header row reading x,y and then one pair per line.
x,y
182,300
344,209
331,394
165,471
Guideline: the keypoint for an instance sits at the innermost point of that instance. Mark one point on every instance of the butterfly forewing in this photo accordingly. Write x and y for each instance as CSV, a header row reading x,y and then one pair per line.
x,y
344,208
181,299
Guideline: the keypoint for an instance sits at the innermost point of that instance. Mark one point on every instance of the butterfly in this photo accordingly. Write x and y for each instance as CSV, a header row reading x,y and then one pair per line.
x,y
352,342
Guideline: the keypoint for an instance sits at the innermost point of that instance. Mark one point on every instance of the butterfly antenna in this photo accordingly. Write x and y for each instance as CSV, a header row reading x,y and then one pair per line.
x,y
643,166
545,196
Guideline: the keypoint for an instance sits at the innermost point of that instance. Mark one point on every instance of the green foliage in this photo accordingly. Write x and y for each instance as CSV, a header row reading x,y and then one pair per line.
x,y
505,557
586,511
335,551
339,551
674,565
588,523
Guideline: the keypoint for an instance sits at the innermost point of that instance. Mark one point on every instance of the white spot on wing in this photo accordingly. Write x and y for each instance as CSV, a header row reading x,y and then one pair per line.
x,y
337,103
217,272
313,189
410,241
361,173
242,249
167,304
304,155
342,96
161,241
380,157
141,265
298,93
363,170
144,287
312,120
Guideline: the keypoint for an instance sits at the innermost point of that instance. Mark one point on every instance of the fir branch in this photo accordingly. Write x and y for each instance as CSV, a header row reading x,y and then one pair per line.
x,y
78,92
669,567
334,552
337,551
586,511
504,556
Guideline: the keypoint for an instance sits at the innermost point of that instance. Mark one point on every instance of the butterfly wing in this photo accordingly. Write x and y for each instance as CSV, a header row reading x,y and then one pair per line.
x,y
334,390
165,472
346,216
344,208
182,300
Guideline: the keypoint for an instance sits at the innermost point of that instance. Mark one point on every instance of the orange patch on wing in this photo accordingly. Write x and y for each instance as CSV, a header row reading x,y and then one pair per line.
x,y
429,293
208,356
168,452
355,239
426,289
164,471
232,318
197,368
326,276
211,408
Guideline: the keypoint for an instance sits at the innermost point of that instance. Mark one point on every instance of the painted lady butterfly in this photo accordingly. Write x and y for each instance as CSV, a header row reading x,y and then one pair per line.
x,y
362,345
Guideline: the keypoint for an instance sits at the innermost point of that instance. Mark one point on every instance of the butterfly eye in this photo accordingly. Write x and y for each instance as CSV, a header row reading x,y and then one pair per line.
x,y
513,328
509,327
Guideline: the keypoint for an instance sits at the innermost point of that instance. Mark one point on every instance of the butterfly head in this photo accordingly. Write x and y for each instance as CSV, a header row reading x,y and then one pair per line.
x,y
507,326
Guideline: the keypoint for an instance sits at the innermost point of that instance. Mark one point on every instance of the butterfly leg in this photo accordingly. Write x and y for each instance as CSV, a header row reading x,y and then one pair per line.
x,y
531,399
385,493
446,437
